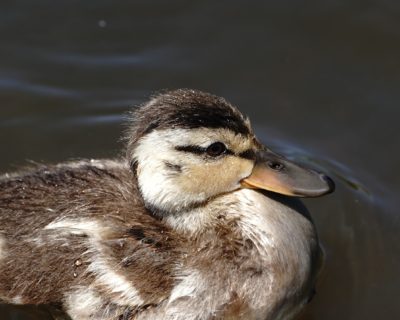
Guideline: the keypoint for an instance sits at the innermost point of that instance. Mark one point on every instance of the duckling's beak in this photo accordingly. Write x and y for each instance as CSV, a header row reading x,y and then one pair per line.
x,y
275,173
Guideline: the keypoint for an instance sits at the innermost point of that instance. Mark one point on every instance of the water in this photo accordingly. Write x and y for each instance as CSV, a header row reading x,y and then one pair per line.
x,y
318,78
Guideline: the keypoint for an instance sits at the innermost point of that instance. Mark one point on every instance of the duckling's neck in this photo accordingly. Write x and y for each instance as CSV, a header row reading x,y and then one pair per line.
x,y
246,210
198,219
268,242
277,228
201,219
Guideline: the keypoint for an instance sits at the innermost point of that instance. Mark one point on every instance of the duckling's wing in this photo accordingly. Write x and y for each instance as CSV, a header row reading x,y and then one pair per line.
x,y
78,234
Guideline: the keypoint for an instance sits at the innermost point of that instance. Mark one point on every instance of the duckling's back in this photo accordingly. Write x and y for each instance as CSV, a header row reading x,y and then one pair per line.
x,y
74,234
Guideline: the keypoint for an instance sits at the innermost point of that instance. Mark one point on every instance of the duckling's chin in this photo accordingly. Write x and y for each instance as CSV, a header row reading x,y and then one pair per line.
x,y
168,199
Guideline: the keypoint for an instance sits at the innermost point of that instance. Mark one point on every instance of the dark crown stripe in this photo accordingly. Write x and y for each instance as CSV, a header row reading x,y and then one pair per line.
x,y
206,118
188,120
186,109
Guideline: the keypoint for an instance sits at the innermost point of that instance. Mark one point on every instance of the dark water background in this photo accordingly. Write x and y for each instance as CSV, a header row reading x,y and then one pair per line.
x,y
319,79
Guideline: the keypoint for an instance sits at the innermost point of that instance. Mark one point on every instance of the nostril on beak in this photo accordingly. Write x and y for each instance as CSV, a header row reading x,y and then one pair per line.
x,y
276,165
329,182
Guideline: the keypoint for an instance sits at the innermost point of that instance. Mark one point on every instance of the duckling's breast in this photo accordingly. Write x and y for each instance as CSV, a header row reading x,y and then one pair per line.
x,y
256,261
285,247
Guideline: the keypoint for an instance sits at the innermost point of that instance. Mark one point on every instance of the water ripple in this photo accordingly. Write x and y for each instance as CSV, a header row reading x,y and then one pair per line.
x,y
8,83
149,58
93,120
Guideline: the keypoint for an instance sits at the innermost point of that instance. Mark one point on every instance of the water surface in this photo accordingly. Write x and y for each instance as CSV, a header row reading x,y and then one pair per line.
x,y
320,81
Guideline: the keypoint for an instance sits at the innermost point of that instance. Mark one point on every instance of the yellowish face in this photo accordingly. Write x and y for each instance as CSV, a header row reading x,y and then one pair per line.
x,y
213,175
179,168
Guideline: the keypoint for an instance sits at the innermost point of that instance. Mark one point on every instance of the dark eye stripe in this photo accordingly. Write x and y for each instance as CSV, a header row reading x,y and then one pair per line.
x,y
248,154
191,149
197,149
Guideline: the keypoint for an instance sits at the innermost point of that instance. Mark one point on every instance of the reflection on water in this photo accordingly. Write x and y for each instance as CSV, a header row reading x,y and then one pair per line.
x,y
319,80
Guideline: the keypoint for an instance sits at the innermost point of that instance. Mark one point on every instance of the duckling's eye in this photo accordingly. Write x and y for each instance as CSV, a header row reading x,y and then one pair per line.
x,y
216,149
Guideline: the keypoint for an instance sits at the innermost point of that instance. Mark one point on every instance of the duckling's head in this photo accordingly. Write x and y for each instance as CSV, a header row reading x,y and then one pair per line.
x,y
187,147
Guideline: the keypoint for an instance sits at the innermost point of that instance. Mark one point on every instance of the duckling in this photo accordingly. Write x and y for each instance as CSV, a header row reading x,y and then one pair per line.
x,y
188,225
